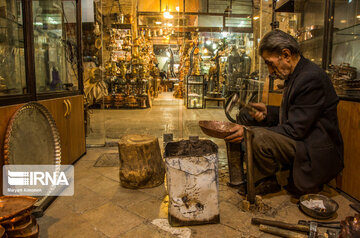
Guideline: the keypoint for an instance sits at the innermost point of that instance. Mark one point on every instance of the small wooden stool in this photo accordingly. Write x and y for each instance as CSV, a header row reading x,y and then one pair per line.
x,y
141,164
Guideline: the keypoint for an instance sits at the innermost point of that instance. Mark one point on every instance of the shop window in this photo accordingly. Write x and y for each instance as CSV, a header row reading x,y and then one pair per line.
x,y
345,60
238,22
195,6
149,6
12,59
241,7
55,46
218,6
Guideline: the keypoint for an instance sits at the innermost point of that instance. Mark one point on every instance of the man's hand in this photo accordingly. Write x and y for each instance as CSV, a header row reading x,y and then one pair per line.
x,y
261,113
237,134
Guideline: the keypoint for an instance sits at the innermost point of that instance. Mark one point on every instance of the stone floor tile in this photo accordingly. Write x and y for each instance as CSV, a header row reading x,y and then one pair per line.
x,y
102,185
213,231
237,220
81,230
109,172
112,220
149,209
85,175
84,199
60,221
157,192
124,197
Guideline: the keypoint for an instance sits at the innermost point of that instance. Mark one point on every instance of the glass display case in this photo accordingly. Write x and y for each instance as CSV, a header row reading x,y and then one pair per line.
x,y
12,57
305,21
40,49
54,24
195,91
345,57
306,24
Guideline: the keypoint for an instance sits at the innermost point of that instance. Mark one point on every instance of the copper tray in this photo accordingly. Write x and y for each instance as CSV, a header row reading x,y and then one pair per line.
x,y
31,231
10,206
24,229
217,129
10,222
2,231
19,225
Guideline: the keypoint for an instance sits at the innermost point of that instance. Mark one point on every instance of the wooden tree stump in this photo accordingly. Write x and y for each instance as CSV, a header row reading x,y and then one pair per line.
x,y
141,164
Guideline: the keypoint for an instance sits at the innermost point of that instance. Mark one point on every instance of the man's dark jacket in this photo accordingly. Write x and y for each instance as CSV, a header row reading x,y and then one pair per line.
x,y
309,116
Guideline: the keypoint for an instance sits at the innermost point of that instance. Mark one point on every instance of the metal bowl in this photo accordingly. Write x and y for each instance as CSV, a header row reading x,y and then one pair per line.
x,y
330,206
217,129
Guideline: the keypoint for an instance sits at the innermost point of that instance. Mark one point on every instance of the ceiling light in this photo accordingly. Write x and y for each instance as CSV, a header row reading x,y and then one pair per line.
x,y
167,15
208,42
343,21
158,22
358,16
256,17
224,33
170,24
205,50
177,8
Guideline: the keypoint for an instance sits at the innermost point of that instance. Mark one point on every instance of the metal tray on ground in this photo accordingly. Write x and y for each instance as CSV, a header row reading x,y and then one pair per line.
x,y
330,206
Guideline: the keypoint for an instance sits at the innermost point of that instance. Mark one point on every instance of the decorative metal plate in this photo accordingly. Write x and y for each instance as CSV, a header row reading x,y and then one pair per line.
x,y
13,205
32,137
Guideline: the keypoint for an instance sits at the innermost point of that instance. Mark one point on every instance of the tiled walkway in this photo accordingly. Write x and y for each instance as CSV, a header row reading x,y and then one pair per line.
x,y
102,208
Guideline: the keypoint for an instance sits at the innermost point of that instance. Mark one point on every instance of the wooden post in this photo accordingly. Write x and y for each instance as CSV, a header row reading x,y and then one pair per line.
x,y
248,135
141,164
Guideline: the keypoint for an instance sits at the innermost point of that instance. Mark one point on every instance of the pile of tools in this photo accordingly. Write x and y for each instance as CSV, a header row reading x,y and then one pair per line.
x,y
301,230
15,217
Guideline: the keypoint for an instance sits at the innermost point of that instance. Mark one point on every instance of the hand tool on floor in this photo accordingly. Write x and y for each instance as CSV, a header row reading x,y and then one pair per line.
x,y
279,224
284,229
331,224
281,232
313,229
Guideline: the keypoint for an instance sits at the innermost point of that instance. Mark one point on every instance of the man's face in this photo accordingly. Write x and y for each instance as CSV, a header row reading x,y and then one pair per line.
x,y
277,64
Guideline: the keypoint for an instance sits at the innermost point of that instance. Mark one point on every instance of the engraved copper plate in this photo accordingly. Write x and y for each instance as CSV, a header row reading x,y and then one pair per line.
x,y
32,137
217,129
12,205
2,231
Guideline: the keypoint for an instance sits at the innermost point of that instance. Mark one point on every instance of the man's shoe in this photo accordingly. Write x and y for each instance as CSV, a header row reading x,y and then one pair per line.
x,y
263,187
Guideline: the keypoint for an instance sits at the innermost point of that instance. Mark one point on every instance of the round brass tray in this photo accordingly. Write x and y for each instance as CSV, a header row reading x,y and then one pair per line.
x,y
32,137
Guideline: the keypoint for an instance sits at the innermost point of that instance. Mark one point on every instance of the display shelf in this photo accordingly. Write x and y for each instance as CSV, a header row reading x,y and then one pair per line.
x,y
345,35
194,91
311,40
352,30
121,26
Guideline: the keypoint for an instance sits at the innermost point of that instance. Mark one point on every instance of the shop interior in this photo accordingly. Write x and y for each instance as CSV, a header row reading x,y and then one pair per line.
x,y
89,82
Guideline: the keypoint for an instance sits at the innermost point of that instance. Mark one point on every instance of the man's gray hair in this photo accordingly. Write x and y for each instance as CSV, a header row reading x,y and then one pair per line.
x,y
276,40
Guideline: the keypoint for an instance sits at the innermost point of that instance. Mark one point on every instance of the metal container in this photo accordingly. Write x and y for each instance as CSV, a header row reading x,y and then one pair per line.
x,y
330,206
192,182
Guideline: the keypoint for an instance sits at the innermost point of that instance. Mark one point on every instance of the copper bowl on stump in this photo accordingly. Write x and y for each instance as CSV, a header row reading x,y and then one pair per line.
x,y
217,129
